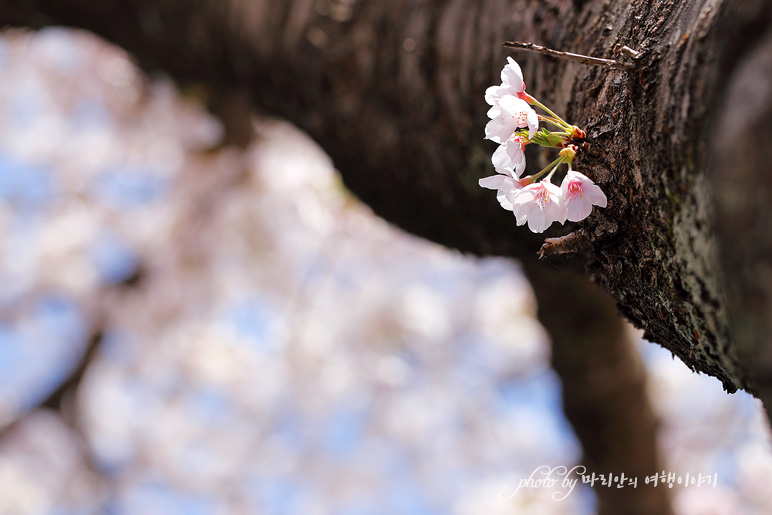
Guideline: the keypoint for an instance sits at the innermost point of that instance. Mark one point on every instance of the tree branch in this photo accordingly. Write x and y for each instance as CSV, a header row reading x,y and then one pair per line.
x,y
604,387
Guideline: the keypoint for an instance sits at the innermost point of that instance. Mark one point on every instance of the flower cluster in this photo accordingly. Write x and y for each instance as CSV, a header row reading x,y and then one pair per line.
x,y
513,125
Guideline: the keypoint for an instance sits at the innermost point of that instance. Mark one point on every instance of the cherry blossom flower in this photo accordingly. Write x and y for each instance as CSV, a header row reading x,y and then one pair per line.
x,y
513,113
507,185
509,157
580,194
536,203
511,84
539,204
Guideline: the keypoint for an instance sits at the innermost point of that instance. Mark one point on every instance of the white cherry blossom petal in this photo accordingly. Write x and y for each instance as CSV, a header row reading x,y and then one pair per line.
x,y
578,210
509,157
499,129
580,194
509,188
493,182
511,84
506,186
494,93
539,204
595,195
538,221
513,113
533,122
494,111
512,77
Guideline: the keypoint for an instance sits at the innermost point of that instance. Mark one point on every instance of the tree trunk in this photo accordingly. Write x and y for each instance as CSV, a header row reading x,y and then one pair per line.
x,y
604,388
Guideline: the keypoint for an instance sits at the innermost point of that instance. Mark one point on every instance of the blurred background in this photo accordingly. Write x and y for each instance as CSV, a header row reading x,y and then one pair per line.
x,y
189,327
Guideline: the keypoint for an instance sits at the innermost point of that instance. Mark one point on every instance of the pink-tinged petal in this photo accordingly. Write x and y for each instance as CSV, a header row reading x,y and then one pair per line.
x,y
512,105
525,197
494,93
513,192
499,129
493,182
494,112
516,155
564,184
505,185
556,209
573,175
578,187
539,204
533,122
595,195
523,207
538,221
518,113
503,197
512,76
555,196
509,158
500,160
519,168
551,188
558,212
523,211
578,210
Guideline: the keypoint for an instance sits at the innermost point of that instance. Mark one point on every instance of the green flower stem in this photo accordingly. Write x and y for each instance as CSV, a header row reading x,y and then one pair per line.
x,y
549,168
552,172
555,122
562,122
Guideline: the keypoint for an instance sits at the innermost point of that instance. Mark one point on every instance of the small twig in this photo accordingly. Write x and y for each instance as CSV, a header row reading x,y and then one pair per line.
x,y
569,244
629,52
63,397
583,59
56,399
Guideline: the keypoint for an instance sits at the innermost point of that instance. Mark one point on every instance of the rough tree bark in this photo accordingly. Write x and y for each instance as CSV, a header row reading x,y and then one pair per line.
x,y
393,92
